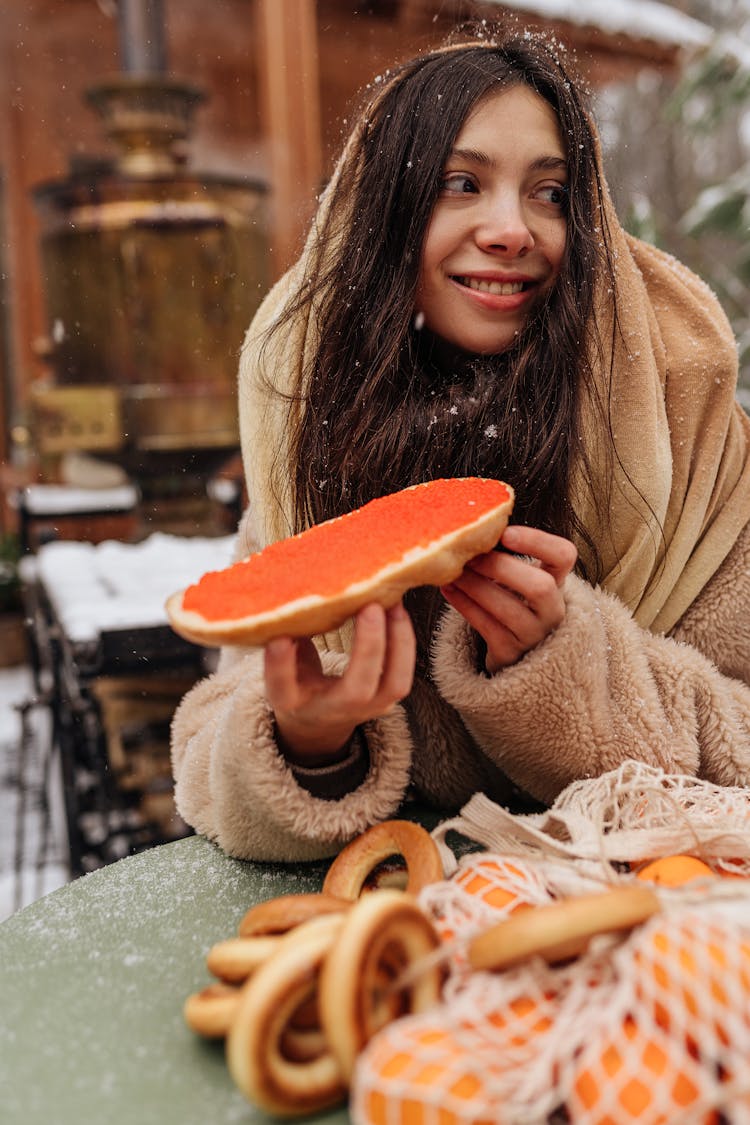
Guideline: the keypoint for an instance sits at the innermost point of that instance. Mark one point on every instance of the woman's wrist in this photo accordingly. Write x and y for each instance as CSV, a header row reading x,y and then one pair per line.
x,y
331,782
310,749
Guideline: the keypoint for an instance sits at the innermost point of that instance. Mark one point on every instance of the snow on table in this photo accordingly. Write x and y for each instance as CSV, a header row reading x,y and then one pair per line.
x,y
95,588
61,500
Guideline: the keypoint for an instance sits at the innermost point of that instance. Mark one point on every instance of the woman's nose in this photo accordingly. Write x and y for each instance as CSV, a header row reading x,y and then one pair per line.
x,y
503,228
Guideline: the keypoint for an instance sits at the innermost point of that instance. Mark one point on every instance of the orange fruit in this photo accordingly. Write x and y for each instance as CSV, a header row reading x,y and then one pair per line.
x,y
422,1075
675,870
496,882
425,1071
694,980
312,582
631,1076
521,1021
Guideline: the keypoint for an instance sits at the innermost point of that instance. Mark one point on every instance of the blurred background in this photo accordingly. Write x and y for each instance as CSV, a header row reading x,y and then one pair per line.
x,y
159,162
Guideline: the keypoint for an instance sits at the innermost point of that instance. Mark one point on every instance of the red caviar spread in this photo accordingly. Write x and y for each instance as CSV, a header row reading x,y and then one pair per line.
x,y
331,556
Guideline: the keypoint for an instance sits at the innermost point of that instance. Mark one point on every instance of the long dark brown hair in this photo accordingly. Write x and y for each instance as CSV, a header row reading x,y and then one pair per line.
x,y
377,411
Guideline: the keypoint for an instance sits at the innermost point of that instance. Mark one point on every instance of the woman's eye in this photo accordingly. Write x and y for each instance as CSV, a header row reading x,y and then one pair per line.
x,y
457,183
556,194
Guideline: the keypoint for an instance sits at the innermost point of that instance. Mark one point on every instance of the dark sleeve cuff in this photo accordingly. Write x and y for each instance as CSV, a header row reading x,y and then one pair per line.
x,y
330,783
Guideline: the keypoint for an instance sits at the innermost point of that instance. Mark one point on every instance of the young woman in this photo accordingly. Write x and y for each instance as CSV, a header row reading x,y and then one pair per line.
x,y
468,304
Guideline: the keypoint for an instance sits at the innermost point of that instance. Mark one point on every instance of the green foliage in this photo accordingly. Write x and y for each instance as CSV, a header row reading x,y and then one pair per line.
x,y
719,209
714,90
641,221
716,83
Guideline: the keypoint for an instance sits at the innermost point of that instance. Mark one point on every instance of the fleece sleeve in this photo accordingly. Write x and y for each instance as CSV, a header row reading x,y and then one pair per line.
x,y
233,785
598,691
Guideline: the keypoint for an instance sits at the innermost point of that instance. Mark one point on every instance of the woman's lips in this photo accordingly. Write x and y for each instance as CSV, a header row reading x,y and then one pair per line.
x,y
485,285
494,294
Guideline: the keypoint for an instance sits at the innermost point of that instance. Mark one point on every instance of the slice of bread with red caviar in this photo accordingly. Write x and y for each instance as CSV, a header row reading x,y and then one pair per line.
x,y
312,582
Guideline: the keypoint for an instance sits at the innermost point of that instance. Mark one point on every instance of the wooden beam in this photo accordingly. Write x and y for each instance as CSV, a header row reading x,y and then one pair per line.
x,y
290,115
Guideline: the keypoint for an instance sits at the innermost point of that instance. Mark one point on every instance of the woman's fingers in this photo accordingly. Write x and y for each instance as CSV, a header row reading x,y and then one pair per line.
x,y
360,681
496,603
316,712
504,646
401,655
554,554
281,673
514,600
381,667
505,583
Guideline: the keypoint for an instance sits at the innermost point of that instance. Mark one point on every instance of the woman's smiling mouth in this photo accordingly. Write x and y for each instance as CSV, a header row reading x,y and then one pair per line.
x,y
498,288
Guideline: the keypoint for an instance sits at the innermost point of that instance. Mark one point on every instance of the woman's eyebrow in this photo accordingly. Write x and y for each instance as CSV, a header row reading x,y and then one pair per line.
x,y
472,156
544,163
550,164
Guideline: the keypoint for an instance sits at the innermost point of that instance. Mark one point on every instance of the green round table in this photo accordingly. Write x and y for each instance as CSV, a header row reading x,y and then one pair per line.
x,y
92,982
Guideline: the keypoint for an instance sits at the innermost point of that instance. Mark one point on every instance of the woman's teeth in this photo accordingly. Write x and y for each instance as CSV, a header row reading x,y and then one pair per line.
x,y
499,288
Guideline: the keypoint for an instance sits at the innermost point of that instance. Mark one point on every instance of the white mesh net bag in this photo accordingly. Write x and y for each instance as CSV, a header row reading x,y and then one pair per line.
x,y
651,1025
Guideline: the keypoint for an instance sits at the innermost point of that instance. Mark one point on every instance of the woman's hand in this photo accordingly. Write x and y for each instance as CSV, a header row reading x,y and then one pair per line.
x,y
514,603
316,714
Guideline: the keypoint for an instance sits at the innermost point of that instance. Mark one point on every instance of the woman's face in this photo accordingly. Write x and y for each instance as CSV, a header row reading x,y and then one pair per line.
x,y
496,237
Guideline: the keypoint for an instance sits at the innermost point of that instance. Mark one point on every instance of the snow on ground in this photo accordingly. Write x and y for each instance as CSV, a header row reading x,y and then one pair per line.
x,y
109,585
33,838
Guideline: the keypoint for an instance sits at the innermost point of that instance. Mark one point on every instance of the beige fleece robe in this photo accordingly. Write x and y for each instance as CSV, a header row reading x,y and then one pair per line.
x,y
598,691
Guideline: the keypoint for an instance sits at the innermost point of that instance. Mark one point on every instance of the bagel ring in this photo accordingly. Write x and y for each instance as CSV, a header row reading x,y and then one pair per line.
x,y
235,959
383,936
303,1036
561,930
278,915
265,1072
210,1012
353,865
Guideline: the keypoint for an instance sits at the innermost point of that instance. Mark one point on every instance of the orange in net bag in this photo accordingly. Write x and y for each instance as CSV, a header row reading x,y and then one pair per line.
x,y
650,1026
422,1057
654,1029
694,980
498,881
422,1072
680,1053
629,1076
675,870
486,887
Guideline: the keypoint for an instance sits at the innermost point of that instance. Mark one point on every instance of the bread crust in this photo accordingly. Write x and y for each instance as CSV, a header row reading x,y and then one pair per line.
x,y
435,565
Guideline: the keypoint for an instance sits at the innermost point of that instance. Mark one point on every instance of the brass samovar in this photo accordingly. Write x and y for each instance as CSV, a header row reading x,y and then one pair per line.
x,y
152,272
